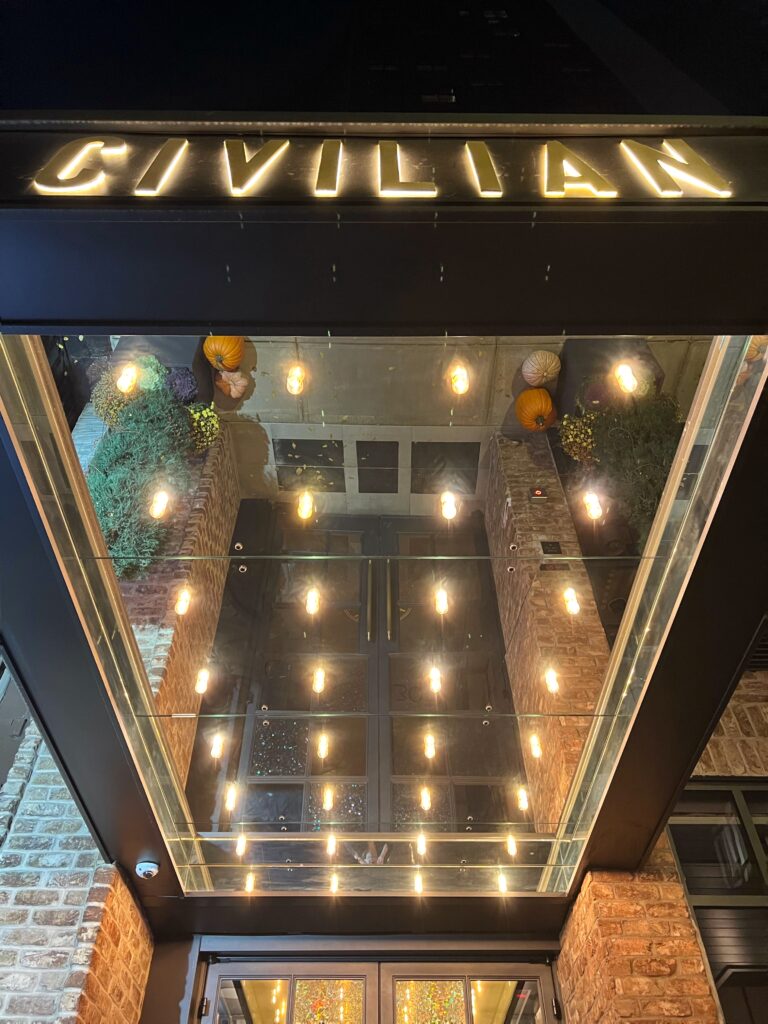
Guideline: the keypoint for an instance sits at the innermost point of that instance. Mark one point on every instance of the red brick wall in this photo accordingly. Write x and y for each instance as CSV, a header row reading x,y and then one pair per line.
x,y
739,743
173,648
73,945
538,632
630,952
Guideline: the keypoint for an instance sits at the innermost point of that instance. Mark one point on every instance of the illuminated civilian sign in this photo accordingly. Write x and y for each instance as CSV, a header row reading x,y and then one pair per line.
x,y
357,169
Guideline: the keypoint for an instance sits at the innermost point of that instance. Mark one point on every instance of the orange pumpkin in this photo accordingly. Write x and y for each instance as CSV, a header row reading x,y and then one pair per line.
x,y
534,409
224,351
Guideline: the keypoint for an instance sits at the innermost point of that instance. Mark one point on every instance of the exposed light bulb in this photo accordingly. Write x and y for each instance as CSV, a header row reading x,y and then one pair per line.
x,y
240,845
201,683
522,798
502,882
441,601
418,884
322,746
330,844
535,746
305,505
511,846
435,679
230,801
550,678
127,379
625,378
313,601
183,601
318,680
426,798
159,504
217,746
448,506
459,379
429,746
592,505
327,798
250,882
572,605
421,844
334,886
294,382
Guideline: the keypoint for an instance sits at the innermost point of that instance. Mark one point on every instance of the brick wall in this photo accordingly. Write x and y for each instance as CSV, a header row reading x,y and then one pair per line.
x,y
739,744
74,947
630,952
173,647
537,630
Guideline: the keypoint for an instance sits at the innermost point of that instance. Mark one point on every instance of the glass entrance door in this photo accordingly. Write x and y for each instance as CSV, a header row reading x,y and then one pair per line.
x,y
370,993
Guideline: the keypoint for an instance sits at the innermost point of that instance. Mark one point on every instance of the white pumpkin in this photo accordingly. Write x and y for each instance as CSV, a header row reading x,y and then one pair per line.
x,y
232,383
540,368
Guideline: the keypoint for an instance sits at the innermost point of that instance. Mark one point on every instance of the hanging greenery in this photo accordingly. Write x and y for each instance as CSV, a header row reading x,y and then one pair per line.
x,y
151,373
107,400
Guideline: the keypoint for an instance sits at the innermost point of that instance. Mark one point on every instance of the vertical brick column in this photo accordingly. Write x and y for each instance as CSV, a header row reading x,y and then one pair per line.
x,y
74,946
174,648
538,632
630,953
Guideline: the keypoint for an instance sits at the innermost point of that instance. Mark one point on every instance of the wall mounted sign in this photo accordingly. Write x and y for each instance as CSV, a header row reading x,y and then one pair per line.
x,y
147,167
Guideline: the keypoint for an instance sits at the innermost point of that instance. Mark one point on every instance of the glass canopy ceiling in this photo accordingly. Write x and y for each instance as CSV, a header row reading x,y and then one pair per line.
x,y
379,612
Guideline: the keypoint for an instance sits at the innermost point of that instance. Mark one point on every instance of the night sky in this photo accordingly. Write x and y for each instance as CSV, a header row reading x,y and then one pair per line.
x,y
433,56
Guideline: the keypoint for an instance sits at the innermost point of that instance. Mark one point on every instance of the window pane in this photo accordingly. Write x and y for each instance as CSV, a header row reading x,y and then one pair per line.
x,y
260,1002
430,1001
495,1001
328,1001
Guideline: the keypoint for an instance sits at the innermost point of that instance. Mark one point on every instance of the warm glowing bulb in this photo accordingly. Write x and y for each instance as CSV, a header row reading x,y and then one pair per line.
x,y
327,798
294,382
159,504
625,378
230,801
550,678
330,844
502,883
459,379
441,600
217,746
318,680
421,844
535,746
448,506
240,845
426,798
313,601
418,885
592,505
522,798
250,882
201,684
334,886
435,679
183,601
127,379
572,605
511,846
305,506
322,746
429,746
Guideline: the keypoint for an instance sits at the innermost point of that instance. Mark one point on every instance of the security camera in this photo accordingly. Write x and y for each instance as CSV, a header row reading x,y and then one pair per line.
x,y
147,869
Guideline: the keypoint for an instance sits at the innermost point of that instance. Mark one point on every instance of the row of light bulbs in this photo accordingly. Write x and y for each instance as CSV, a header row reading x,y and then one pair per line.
x,y
458,377
305,505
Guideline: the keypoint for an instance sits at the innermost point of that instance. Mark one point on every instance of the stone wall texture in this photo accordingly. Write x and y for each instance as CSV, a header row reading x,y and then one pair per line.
x,y
739,743
74,947
175,647
630,953
538,632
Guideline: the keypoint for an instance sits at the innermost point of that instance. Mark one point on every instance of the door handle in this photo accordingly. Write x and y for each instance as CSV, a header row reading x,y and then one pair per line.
x,y
389,599
369,613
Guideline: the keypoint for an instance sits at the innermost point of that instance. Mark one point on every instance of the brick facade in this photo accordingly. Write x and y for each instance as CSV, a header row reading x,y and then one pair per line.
x,y
173,647
630,951
74,947
538,632
739,743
